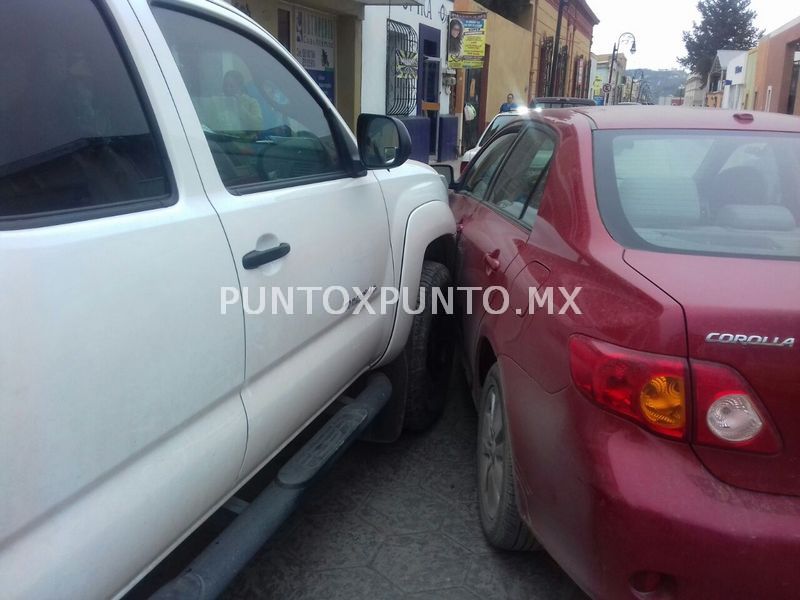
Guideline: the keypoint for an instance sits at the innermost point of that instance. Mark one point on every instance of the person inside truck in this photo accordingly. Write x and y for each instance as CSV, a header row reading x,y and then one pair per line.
x,y
246,110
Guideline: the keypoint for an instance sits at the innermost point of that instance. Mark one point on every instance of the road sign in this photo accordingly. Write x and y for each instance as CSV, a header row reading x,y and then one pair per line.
x,y
606,88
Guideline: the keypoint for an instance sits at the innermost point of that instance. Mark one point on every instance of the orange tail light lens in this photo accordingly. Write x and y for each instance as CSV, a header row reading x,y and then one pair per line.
x,y
663,402
649,389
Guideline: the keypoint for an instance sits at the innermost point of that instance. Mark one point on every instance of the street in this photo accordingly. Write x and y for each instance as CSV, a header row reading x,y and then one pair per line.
x,y
400,522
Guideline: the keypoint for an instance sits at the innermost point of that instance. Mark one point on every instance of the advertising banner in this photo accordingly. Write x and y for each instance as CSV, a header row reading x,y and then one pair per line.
x,y
315,47
466,40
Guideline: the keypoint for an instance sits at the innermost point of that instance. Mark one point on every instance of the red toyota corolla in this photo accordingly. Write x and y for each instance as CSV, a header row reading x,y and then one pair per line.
x,y
637,370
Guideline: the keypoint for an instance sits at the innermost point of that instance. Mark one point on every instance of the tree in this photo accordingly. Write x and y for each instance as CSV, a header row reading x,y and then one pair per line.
x,y
724,25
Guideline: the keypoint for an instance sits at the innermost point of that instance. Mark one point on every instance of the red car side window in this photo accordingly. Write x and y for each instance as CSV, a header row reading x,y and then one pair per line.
x,y
523,176
480,176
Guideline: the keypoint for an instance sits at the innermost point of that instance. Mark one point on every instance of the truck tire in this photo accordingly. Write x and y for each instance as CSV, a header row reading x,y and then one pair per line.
x,y
497,504
428,354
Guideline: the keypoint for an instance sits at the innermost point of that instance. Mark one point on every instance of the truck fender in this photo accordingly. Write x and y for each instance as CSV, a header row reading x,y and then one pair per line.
x,y
425,224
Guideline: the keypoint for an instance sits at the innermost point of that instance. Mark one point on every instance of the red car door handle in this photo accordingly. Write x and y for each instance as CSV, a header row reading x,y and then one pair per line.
x,y
491,262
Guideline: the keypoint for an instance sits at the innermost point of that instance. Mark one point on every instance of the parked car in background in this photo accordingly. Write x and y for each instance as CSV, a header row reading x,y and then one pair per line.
x,y
638,412
165,168
559,102
494,126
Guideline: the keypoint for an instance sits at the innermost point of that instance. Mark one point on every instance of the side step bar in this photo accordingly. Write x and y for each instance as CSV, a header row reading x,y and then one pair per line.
x,y
214,569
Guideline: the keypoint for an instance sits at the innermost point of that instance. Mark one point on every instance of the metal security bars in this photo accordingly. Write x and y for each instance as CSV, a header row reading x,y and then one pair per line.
x,y
402,67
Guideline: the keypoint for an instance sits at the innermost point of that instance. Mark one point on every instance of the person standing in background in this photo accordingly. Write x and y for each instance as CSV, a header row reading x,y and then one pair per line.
x,y
509,105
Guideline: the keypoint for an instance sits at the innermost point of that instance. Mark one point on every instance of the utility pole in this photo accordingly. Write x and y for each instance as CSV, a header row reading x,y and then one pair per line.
x,y
551,87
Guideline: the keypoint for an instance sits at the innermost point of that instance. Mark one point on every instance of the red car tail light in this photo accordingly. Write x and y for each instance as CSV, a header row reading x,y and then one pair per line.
x,y
729,414
649,389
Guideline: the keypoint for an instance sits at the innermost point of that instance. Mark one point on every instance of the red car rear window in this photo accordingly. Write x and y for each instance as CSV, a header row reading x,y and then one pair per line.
x,y
704,192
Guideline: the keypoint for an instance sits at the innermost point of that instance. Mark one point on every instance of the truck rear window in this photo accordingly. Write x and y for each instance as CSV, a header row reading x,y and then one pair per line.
x,y
704,192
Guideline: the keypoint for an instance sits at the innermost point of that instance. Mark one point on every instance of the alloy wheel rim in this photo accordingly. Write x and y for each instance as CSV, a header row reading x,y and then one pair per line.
x,y
491,463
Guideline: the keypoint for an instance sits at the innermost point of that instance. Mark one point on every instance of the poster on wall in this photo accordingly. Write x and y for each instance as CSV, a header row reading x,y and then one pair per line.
x,y
315,48
466,40
407,64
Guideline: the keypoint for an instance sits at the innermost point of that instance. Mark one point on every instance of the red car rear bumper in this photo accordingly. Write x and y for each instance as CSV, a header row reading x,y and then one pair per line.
x,y
612,502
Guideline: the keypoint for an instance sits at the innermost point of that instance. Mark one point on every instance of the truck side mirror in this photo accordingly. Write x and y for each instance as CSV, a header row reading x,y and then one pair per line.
x,y
383,142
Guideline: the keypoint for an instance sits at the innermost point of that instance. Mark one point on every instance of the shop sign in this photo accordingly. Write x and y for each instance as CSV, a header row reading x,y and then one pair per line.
x,y
315,47
466,40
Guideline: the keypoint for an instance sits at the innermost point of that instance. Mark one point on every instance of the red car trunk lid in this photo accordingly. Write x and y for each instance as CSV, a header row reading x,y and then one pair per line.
x,y
754,306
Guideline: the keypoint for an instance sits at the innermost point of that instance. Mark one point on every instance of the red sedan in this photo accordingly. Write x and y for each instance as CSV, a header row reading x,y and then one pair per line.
x,y
634,356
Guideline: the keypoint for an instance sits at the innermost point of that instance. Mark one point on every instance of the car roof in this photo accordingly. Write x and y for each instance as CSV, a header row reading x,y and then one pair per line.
x,y
520,112
676,117
565,99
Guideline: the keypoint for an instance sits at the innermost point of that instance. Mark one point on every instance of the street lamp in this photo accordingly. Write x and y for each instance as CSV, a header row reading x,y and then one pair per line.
x,y
625,37
638,80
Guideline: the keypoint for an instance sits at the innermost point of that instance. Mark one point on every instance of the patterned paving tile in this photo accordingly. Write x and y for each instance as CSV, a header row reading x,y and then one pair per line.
x,y
462,525
422,562
332,541
400,510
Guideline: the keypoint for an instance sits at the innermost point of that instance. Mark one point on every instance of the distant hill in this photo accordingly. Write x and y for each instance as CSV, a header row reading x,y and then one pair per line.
x,y
663,82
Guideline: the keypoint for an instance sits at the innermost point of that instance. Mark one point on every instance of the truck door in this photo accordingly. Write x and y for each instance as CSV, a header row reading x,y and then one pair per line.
x,y
269,147
122,423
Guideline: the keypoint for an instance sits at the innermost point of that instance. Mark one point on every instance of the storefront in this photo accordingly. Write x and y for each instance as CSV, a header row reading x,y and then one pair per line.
x,y
405,74
777,80
325,36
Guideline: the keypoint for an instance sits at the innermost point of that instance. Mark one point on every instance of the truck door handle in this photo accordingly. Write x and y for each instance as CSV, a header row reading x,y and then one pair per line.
x,y
491,262
256,258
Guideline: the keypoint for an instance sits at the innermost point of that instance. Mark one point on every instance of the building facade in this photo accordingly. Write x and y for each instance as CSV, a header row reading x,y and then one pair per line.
x,y
718,77
777,78
694,91
389,57
572,75
733,94
618,78
506,70
750,79
519,57
410,78
325,37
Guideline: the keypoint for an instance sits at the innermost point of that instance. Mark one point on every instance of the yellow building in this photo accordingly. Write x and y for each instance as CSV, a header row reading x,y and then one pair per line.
x,y
519,59
505,71
750,79
572,74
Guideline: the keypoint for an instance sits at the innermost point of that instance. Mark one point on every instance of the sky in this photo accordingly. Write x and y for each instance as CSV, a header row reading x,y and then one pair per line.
x,y
658,25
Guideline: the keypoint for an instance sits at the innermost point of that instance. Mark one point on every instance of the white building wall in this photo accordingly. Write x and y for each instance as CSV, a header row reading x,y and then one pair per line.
x,y
373,64
733,97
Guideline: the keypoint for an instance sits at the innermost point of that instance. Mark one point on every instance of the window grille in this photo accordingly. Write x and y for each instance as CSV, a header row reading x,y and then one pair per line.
x,y
545,54
402,64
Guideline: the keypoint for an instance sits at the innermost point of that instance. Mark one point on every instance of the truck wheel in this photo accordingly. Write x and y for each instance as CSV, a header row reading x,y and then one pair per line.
x,y
497,503
428,354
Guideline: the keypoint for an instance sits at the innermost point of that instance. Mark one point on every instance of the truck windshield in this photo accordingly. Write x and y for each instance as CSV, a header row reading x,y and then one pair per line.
x,y
703,192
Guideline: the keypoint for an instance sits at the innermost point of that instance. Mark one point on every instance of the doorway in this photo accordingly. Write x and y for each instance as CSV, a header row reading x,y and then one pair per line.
x,y
794,85
429,80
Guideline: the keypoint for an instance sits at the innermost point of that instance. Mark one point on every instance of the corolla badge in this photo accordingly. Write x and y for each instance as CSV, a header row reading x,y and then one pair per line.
x,y
749,340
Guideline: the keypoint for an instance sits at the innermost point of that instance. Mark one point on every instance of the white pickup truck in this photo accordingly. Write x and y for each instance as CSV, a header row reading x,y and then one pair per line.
x,y
160,163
